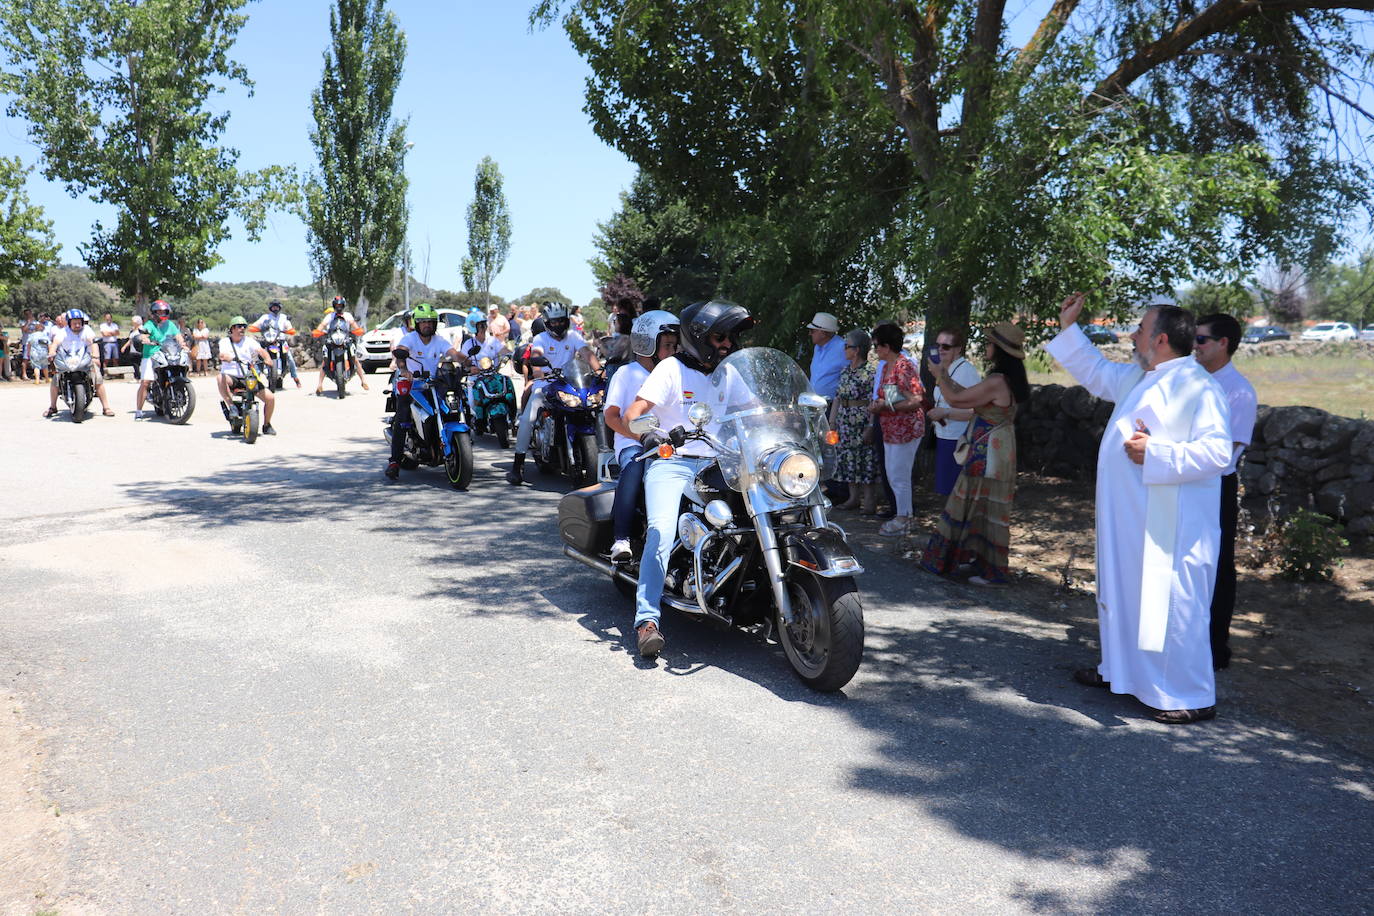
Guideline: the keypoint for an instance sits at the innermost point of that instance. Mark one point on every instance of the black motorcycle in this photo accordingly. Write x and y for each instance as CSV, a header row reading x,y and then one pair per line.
x,y
171,392
753,546
73,371
338,357
276,343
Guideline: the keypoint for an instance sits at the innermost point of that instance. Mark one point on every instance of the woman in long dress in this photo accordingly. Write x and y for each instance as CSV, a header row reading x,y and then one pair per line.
x,y
974,531
856,463
200,338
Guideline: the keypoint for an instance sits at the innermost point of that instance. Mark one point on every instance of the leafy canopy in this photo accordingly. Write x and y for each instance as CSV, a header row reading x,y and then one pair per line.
x,y
355,204
117,96
27,248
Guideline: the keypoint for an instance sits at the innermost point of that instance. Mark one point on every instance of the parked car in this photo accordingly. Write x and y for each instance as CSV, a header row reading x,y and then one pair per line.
x,y
1330,330
1264,335
1098,334
375,352
1367,333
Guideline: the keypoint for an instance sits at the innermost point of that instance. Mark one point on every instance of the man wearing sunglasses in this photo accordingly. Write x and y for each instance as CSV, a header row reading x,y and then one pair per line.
x,y
1159,470
1218,337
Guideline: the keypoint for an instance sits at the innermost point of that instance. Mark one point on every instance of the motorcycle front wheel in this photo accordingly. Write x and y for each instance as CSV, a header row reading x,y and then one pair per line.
x,y
585,455
181,401
825,642
80,399
340,380
252,421
458,462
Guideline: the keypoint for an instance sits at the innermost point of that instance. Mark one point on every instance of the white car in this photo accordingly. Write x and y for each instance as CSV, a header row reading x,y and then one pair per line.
x,y
1367,333
1330,330
375,352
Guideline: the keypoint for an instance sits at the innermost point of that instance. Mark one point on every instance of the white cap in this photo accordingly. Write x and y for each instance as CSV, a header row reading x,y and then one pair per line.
x,y
824,321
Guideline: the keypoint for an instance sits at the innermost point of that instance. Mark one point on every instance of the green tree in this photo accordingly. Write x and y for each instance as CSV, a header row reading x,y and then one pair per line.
x,y
659,241
117,96
851,154
58,290
488,228
355,205
1344,291
27,248
1208,297
541,294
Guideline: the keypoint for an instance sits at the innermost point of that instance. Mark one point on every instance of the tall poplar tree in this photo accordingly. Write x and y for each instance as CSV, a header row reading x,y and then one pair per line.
x,y
116,95
488,230
355,205
27,249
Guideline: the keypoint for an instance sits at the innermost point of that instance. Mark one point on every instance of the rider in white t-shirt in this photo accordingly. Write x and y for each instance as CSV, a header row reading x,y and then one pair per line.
x,y
340,316
275,318
556,347
421,350
73,333
237,352
710,332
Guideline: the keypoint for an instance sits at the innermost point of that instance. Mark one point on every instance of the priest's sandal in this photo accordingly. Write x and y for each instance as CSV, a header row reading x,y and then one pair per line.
x,y
1089,677
1185,716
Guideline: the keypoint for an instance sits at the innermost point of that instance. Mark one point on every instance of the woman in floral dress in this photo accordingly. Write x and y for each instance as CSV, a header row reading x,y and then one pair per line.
x,y
856,464
974,531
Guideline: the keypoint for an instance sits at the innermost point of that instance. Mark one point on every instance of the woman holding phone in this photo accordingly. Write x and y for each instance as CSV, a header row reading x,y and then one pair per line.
x,y
974,531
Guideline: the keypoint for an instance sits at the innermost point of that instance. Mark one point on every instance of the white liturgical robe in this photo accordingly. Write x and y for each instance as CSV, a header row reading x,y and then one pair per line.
x,y
1158,528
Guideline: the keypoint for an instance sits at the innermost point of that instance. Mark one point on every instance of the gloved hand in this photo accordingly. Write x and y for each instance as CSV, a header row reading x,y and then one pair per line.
x,y
677,435
651,440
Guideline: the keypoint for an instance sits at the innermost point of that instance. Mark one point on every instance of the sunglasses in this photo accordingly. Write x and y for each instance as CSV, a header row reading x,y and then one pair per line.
x,y
1203,338
945,346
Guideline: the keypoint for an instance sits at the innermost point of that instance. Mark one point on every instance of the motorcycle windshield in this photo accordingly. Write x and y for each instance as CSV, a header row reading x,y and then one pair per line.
x,y
579,374
758,398
72,360
170,353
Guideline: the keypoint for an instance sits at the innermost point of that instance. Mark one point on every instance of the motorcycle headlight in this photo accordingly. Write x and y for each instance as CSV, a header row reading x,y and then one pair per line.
x,y
792,473
569,399
595,398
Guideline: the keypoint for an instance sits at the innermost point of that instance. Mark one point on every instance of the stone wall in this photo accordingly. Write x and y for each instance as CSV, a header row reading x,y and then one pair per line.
x,y
1300,456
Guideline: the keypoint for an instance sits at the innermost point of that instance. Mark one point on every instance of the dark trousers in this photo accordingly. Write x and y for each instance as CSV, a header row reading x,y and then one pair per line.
x,y
1224,594
629,488
401,424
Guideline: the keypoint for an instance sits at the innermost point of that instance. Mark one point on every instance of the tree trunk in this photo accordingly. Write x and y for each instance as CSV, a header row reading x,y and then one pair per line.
x,y
361,312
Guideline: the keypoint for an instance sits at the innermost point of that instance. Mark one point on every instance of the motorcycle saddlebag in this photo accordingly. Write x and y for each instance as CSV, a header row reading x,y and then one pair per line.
x,y
584,518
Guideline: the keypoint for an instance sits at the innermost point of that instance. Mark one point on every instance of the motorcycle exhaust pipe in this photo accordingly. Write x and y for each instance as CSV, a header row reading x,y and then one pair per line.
x,y
601,566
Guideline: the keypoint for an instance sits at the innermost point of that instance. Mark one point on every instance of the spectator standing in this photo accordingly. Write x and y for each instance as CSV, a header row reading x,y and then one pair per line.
x,y
5,355
901,419
1158,508
856,464
200,339
109,341
949,422
827,354
1218,337
497,325
135,340
974,530
27,325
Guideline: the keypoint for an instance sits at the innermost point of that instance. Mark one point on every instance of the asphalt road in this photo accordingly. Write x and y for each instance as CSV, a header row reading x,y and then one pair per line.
x,y
266,680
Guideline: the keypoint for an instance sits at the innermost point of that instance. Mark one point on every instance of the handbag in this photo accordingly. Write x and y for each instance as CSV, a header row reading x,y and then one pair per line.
x,y
964,445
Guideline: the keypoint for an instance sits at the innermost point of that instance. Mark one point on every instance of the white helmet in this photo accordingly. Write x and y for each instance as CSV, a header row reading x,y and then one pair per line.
x,y
644,332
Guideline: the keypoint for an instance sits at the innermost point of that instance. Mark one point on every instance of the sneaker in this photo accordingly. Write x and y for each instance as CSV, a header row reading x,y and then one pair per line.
x,y
268,431
895,527
393,469
620,551
138,415
650,639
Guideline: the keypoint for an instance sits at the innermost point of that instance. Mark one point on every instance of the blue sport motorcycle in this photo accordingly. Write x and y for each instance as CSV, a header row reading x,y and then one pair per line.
x,y
564,435
493,401
439,431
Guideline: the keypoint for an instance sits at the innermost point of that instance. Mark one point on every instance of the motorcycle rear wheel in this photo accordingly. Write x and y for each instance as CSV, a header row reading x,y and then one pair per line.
x,y
825,643
80,399
273,379
181,402
458,462
586,454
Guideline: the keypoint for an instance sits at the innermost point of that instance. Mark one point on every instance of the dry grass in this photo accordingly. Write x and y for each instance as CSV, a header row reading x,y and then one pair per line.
x,y
1341,385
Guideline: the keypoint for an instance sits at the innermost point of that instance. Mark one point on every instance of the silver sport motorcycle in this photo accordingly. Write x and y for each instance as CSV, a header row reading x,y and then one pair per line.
x,y
754,547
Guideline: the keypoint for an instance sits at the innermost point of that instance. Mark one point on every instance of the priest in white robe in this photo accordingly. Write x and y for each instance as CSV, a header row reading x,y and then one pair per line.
x,y
1158,495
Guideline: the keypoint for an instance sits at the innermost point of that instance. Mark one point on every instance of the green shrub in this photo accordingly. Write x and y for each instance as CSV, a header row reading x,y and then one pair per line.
x,y
1308,546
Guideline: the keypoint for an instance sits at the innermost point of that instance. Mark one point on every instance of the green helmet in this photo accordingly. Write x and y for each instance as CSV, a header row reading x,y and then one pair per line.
x,y
425,312
238,319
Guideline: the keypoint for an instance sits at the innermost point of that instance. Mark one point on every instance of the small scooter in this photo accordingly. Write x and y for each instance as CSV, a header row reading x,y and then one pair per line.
x,y
493,401
439,433
245,413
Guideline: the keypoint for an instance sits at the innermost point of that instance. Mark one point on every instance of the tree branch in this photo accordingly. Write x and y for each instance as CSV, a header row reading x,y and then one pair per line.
x,y
1046,34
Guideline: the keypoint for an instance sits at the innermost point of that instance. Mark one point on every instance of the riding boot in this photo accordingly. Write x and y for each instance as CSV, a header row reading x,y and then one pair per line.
x,y
516,475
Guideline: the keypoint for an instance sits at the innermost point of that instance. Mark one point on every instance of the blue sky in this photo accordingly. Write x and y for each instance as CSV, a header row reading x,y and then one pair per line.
x,y
477,83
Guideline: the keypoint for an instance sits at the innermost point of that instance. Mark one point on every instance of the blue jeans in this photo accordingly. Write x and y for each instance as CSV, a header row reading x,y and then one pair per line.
x,y
664,484
627,490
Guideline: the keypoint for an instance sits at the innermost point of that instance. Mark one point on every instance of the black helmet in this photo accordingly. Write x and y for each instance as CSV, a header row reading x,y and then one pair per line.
x,y
274,304
715,317
339,303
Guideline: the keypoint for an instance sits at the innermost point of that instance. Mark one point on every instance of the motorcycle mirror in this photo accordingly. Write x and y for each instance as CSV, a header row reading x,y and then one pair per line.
x,y
699,414
645,423
810,399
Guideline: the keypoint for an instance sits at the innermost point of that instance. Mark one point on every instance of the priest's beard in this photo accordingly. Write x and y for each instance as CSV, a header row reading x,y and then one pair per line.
x,y
1142,359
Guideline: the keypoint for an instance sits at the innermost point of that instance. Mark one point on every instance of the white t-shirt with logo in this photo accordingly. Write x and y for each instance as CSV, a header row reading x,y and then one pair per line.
x,y
673,388
560,352
247,350
64,339
424,357
625,386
